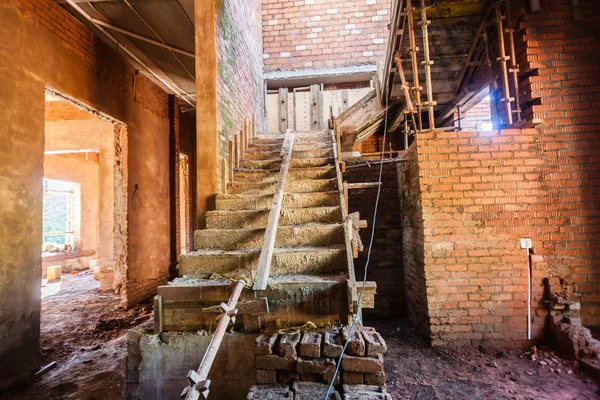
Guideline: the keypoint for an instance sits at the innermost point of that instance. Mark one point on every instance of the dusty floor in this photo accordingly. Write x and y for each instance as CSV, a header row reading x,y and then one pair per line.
x,y
83,330
417,372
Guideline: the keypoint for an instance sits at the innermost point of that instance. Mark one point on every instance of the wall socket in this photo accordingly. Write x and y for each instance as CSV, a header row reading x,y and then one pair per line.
x,y
526,243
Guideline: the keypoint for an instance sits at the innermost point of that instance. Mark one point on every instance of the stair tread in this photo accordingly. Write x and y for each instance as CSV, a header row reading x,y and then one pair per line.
x,y
328,249
225,212
307,224
239,195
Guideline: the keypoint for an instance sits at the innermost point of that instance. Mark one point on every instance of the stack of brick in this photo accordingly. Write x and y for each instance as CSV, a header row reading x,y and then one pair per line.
x,y
312,356
311,391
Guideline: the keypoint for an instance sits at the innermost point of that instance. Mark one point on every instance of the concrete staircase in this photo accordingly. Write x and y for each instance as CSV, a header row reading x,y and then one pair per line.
x,y
309,271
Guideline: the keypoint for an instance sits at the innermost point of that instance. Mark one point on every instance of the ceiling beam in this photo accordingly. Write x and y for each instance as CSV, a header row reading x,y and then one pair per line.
x,y
98,22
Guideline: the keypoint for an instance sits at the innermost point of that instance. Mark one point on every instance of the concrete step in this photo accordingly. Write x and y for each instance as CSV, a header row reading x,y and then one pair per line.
x,y
291,186
294,163
271,175
291,200
301,260
312,235
301,145
230,219
309,152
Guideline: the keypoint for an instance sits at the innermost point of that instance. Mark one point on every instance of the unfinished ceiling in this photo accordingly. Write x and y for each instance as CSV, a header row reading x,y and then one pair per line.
x,y
452,30
136,24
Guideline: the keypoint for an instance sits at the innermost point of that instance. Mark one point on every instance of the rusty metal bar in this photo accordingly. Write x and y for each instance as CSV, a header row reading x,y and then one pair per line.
x,y
199,382
502,59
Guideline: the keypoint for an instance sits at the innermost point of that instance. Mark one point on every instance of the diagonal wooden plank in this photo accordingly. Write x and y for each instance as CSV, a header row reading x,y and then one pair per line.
x,y
266,253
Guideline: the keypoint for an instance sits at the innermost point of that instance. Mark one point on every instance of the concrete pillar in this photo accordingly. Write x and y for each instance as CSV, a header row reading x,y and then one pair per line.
x,y
207,184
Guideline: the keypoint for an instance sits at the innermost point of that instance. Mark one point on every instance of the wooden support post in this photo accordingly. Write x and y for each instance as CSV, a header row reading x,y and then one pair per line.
x,y
223,176
283,110
346,196
409,105
502,59
413,57
158,316
266,253
427,63
315,108
231,161
244,138
198,380
514,69
253,127
236,145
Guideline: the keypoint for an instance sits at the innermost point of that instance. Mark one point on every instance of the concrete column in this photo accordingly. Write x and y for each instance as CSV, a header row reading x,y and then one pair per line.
x,y
207,184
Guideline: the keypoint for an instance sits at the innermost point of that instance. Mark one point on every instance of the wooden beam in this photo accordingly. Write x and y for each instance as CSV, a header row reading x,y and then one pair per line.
x,y
315,108
266,253
283,110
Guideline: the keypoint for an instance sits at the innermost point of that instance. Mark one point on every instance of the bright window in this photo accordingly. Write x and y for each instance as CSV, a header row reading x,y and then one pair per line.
x,y
59,215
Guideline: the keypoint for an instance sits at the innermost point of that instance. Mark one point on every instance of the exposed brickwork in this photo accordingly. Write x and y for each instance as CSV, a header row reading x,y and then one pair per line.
x,y
386,257
413,241
324,33
561,41
57,110
239,69
477,118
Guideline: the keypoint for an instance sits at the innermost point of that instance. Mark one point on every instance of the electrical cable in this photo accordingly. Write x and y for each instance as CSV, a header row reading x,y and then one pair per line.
x,y
355,319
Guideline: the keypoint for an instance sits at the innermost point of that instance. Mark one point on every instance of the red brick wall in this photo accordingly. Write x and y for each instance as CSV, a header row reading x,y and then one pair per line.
x,y
323,33
409,192
385,266
240,92
561,41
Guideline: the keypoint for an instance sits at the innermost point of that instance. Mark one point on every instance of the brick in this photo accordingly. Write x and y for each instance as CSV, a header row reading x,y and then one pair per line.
x,y
288,344
275,362
377,379
374,343
332,345
328,376
362,364
365,392
310,344
264,344
353,378
356,343
264,376
284,376
315,366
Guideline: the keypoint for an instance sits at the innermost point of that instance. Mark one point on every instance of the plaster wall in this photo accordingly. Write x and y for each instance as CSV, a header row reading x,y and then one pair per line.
x,y
42,45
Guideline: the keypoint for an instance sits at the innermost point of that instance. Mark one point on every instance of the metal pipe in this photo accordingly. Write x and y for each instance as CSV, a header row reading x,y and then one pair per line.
x,y
159,38
528,294
171,86
199,382
96,21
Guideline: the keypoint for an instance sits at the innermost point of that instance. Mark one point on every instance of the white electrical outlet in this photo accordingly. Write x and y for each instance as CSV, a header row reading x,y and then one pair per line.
x,y
526,243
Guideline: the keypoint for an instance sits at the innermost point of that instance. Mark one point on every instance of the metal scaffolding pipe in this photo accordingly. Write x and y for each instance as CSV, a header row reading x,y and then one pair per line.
x,y
169,85
97,22
427,63
502,59
413,56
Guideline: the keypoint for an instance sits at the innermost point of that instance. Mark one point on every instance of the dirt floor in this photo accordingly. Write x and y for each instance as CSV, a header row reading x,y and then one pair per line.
x,y
415,371
84,331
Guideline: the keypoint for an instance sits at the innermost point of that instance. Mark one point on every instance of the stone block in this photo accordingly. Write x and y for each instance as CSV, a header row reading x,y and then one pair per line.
x,y
353,378
315,366
288,344
284,376
374,343
356,343
264,344
332,345
54,273
275,362
365,392
363,364
270,392
377,379
313,390
264,376
310,345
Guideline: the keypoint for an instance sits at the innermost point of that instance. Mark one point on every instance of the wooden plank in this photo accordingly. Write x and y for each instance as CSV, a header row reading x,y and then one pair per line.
x,y
223,176
362,185
216,293
237,150
231,161
345,100
244,307
315,108
266,253
283,110
158,320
